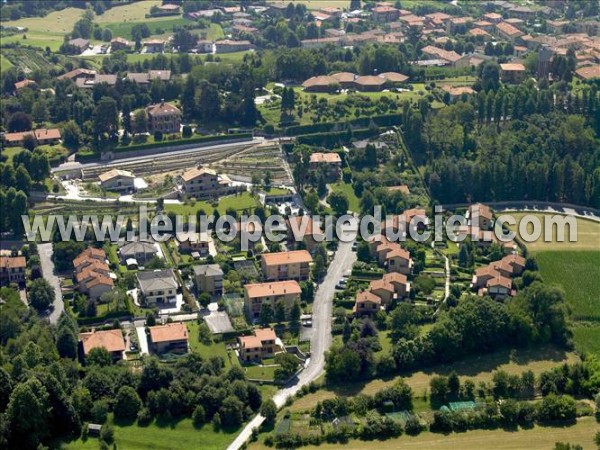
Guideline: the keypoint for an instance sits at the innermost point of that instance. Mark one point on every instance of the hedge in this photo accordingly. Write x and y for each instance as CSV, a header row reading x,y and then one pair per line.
x,y
336,137
386,120
196,140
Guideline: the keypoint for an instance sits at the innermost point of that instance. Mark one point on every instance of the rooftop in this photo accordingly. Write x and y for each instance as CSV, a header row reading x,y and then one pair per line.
x,y
175,331
293,257
111,340
274,289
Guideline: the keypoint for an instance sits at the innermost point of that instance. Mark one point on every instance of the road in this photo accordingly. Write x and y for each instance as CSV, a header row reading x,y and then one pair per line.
x,y
45,252
320,341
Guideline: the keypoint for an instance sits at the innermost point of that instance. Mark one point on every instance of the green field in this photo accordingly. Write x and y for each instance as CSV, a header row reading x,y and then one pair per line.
x,y
155,25
477,368
206,351
5,64
237,202
174,435
347,189
56,22
536,438
574,266
128,13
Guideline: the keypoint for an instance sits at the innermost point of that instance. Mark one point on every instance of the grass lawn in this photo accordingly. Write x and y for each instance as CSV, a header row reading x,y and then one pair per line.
x,y
206,351
477,368
575,266
128,13
163,436
536,438
260,373
5,64
347,189
155,25
57,22
37,39
234,57
238,202
10,152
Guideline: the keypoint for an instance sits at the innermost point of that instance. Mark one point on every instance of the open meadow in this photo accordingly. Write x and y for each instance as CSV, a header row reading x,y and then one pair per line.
x,y
536,438
477,368
575,266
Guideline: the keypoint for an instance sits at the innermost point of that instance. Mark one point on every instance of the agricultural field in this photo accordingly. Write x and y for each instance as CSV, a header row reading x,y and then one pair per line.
x,y
536,438
477,368
5,64
132,12
167,435
575,266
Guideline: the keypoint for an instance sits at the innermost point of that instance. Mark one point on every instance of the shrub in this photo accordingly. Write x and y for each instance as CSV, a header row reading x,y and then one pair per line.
x,y
158,136
186,132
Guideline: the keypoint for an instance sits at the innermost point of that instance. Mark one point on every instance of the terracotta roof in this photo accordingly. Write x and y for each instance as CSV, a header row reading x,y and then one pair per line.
x,y
381,284
322,80
265,334
500,281
345,77
115,173
450,56
478,32
100,279
395,277
47,133
370,80
367,296
120,40
197,172
486,271
168,332
89,253
512,67
24,83
249,342
76,73
293,257
325,158
278,288
140,78
111,340
483,211
508,29
310,230
394,77
163,109
398,252
589,73
12,262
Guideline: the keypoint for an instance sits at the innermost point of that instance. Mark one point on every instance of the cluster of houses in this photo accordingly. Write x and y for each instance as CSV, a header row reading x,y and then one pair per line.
x,y
91,273
495,279
348,80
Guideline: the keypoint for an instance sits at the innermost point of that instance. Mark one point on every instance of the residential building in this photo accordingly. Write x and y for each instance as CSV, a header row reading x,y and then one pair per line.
x,y
330,163
138,78
12,269
482,214
322,83
117,180
203,182
79,44
142,252
397,259
89,83
385,14
197,243
169,338
209,278
154,46
507,31
498,288
162,75
78,73
393,78
91,273
307,229
399,282
163,117
157,286
262,344
512,73
110,340
24,84
204,46
42,136
345,79
255,295
366,304
294,265
588,73
369,83
120,43
231,46
382,289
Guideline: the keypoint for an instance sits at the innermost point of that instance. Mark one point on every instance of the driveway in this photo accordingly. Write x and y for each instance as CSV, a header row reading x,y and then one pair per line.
x,y
321,337
45,252
143,339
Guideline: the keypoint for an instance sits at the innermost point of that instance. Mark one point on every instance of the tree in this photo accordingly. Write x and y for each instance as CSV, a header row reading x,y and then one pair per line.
x,y
106,118
41,294
288,364
98,356
266,314
339,202
204,299
231,412
280,312
106,35
140,121
66,339
490,76
71,134
199,416
18,122
464,256
319,267
28,413
127,403
268,410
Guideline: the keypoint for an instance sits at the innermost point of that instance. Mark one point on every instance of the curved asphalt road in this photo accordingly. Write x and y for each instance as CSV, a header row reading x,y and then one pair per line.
x,y
320,341
45,252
